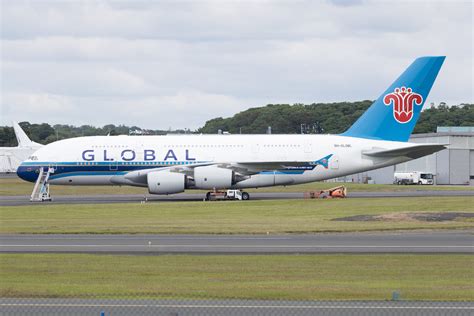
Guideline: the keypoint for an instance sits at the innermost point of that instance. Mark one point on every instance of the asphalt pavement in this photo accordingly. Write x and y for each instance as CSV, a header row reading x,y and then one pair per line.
x,y
403,242
228,307
18,200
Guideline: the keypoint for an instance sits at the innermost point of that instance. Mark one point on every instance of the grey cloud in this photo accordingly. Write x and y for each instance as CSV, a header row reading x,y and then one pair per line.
x,y
203,20
160,64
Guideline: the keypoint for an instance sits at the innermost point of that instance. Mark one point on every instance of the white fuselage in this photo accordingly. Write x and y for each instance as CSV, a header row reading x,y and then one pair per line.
x,y
102,160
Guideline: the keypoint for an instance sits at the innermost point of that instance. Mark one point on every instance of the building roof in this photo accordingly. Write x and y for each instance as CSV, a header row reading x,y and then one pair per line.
x,y
455,129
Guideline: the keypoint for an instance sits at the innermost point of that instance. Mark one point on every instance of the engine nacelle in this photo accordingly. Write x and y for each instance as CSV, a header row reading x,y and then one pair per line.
x,y
212,177
165,182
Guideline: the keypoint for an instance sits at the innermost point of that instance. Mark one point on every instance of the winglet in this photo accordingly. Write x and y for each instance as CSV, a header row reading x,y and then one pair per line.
x,y
323,161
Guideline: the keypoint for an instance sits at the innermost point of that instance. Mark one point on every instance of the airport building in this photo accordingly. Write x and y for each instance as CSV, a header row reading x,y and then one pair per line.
x,y
454,165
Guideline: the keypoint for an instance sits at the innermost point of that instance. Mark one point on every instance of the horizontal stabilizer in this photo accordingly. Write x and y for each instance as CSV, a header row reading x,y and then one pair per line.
x,y
412,152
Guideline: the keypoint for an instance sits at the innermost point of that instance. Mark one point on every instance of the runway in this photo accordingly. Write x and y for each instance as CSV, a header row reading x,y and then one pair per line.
x,y
228,307
403,242
18,200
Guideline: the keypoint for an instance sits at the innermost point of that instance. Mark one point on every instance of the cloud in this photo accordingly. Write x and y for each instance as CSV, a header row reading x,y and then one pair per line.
x,y
39,105
161,64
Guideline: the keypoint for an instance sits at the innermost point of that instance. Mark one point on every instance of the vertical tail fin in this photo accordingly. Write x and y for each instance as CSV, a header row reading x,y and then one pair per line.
x,y
394,114
21,137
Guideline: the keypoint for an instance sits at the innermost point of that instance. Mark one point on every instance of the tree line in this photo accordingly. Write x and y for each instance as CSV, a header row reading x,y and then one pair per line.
x,y
316,118
45,133
328,118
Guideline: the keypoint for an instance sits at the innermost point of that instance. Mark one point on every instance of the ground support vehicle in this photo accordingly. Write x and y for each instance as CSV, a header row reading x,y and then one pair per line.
x,y
227,195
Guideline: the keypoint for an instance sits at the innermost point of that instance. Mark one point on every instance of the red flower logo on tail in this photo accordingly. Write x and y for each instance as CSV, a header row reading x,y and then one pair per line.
x,y
403,100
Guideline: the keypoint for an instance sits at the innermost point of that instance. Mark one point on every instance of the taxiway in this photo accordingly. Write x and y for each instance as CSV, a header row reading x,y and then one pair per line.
x,y
19,200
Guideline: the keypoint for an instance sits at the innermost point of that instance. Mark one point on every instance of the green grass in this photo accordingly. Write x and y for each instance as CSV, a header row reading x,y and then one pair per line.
x,y
293,277
361,187
15,186
231,217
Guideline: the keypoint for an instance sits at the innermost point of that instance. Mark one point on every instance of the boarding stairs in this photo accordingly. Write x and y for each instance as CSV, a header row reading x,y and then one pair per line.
x,y
41,190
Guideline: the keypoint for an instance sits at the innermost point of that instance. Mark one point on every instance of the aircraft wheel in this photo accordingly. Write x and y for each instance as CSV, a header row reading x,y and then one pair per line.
x,y
208,196
245,196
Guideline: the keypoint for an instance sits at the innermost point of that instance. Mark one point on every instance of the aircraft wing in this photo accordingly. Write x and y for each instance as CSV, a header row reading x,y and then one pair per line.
x,y
241,168
250,168
412,152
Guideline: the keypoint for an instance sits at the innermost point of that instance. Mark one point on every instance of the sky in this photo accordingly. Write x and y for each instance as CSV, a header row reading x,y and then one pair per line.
x,y
176,64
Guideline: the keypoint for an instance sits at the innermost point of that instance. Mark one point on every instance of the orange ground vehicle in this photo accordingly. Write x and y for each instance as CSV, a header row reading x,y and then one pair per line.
x,y
336,192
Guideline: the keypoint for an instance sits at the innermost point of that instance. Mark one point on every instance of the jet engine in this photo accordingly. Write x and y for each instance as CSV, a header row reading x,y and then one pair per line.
x,y
166,182
213,177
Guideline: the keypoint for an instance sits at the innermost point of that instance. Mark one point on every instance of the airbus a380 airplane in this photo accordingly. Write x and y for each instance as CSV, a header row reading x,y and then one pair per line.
x,y
171,164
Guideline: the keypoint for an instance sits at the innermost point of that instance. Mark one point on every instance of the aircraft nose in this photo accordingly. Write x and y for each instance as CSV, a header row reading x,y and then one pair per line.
x,y
27,173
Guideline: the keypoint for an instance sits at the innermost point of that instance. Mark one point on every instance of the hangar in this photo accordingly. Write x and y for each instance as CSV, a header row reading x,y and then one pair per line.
x,y
454,165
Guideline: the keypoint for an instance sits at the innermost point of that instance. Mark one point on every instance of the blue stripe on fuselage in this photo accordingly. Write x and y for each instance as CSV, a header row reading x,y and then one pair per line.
x,y
86,173
28,171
